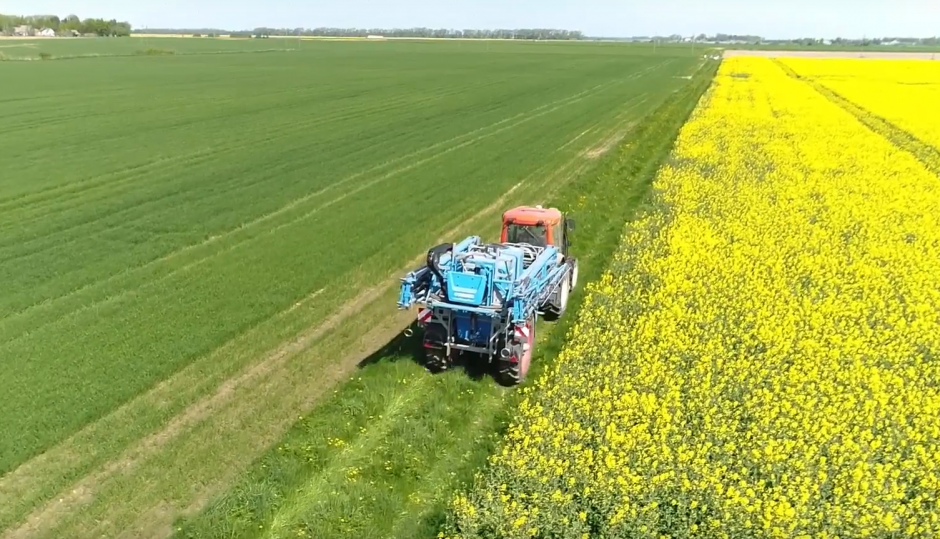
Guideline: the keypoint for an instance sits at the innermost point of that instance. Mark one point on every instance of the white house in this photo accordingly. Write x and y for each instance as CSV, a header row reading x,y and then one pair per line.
x,y
23,31
46,32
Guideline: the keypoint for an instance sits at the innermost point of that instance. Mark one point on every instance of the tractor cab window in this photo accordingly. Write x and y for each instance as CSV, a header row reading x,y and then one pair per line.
x,y
558,236
534,235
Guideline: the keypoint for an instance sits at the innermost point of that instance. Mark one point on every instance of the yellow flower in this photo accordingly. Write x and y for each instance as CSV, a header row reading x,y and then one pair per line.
x,y
763,354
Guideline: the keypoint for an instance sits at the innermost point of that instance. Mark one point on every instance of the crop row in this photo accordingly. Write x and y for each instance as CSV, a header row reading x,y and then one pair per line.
x,y
761,358
898,91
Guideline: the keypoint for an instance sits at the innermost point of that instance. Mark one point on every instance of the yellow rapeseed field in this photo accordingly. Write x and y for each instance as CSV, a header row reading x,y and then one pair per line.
x,y
763,357
906,93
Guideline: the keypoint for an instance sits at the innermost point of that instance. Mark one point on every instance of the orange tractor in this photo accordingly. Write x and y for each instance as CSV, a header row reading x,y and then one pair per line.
x,y
483,298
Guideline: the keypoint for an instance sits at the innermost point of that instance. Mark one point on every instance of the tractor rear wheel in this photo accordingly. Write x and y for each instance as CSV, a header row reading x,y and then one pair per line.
x,y
437,360
514,371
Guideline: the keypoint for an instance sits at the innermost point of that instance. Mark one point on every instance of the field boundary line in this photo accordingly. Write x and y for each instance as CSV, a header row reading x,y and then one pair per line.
x,y
927,154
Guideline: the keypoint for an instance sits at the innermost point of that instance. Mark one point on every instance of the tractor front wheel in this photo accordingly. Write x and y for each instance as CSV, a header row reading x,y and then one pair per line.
x,y
559,302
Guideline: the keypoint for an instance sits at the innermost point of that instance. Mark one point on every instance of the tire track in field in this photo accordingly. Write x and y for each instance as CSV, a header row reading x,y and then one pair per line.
x,y
285,99
202,156
82,491
404,102
182,105
98,181
352,453
50,303
150,201
274,137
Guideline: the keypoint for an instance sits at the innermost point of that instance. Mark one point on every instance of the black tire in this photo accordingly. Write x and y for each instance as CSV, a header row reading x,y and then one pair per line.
x,y
555,308
514,373
435,354
510,374
436,360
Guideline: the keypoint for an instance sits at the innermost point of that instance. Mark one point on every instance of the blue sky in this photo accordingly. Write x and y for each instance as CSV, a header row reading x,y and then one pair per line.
x,y
773,19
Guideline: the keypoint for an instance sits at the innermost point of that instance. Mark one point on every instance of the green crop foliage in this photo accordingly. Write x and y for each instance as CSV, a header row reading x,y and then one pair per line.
x,y
169,222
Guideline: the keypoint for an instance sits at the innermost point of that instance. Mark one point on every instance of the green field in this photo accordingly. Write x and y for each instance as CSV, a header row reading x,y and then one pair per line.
x,y
197,248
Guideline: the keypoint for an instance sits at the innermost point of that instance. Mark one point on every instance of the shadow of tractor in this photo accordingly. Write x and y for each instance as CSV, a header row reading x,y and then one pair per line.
x,y
408,345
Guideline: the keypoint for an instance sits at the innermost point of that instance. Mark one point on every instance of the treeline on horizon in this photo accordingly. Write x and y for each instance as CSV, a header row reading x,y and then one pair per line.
x,y
720,39
810,41
524,33
65,25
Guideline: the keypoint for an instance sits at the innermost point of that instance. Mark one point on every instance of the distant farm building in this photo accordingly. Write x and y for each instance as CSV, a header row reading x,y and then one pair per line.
x,y
24,30
46,32
375,37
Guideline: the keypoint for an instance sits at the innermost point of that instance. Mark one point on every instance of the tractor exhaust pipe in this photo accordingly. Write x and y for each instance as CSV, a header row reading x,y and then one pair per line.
x,y
409,332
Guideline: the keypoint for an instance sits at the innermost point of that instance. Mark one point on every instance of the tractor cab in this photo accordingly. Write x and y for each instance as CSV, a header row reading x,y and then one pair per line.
x,y
536,226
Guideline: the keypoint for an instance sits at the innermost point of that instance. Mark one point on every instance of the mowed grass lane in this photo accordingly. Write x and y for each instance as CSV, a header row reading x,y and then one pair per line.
x,y
205,234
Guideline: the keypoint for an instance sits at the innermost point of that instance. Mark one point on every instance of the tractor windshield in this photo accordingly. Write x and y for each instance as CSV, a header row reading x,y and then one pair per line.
x,y
534,235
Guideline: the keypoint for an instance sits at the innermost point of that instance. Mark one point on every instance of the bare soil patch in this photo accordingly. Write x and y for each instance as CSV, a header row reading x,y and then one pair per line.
x,y
607,144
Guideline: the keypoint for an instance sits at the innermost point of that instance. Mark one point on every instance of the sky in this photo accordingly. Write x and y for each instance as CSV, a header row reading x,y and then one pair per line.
x,y
607,18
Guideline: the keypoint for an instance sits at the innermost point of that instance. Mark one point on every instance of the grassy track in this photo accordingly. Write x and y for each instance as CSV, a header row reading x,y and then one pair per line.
x,y
195,247
383,456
